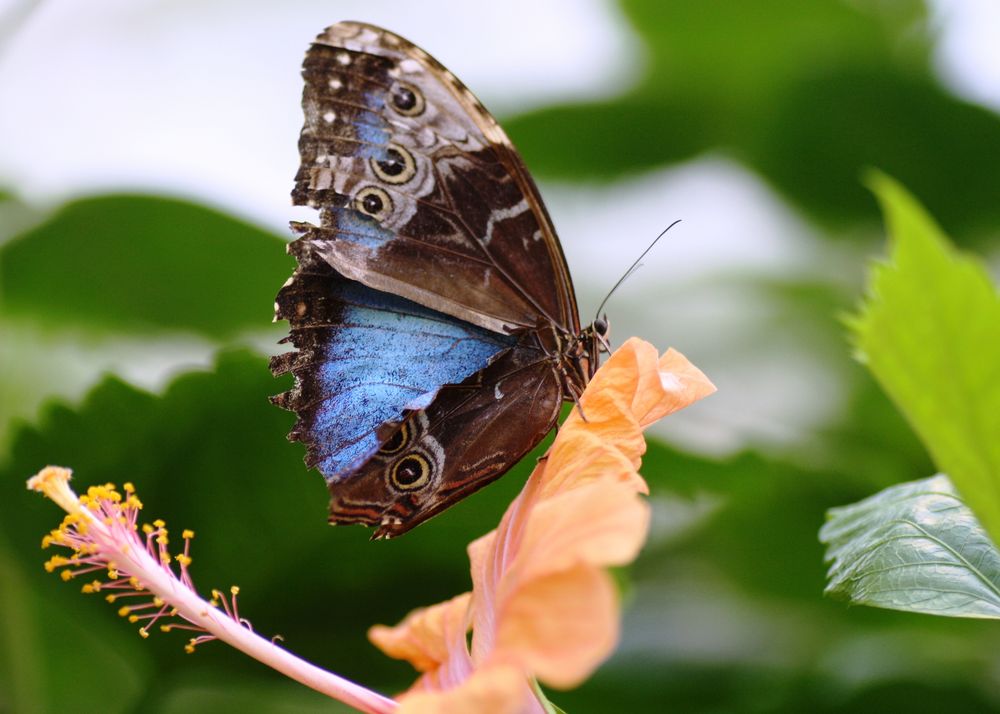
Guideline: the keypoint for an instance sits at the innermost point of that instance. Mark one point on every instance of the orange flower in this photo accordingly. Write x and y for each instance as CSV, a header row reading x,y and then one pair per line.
x,y
542,604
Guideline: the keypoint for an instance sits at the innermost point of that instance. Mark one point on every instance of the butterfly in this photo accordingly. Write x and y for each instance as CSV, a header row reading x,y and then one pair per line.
x,y
434,322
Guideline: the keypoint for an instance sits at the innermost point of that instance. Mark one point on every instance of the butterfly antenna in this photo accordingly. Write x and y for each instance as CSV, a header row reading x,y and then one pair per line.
x,y
634,267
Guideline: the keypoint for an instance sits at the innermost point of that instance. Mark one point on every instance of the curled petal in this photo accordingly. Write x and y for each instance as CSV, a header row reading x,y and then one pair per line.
x,y
681,384
424,638
562,625
633,389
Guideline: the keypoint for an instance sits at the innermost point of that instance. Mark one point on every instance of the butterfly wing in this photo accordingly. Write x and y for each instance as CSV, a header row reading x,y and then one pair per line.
x,y
420,192
421,298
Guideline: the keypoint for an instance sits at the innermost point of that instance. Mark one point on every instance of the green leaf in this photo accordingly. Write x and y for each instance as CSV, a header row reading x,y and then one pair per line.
x,y
930,333
915,546
143,263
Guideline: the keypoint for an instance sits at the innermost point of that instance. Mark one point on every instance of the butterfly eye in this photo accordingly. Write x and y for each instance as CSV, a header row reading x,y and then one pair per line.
x,y
410,473
398,441
374,202
397,167
407,100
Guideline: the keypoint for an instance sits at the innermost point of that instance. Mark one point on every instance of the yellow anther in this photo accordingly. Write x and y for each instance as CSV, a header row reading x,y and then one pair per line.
x,y
127,487
166,628
111,598
147,529
158,601
235,589
56,561
183,559
143,632
187,533
159,523
66,575
124,610
133,618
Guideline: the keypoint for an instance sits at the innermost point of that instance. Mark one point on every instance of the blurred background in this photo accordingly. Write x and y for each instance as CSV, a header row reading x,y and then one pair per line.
x,y
147,156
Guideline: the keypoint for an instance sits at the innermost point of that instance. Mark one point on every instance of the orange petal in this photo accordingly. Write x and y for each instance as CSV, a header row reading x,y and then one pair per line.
x,y
427,637
602,523
561,626
633,389
681,384
497,689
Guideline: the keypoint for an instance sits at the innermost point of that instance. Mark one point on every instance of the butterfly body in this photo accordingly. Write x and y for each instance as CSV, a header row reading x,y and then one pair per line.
x,y
434,320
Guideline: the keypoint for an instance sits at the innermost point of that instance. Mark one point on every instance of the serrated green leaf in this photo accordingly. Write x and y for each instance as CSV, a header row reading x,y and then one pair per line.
x,y
930,333
143,263
915,546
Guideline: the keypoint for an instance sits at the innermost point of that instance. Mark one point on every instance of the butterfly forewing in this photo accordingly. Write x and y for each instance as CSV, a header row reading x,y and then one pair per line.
x,y
411,172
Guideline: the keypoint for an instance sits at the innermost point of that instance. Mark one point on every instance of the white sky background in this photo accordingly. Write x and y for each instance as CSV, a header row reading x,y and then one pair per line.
x,y
201,99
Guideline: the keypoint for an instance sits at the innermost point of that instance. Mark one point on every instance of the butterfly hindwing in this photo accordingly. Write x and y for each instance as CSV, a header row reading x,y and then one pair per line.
x,y
466,438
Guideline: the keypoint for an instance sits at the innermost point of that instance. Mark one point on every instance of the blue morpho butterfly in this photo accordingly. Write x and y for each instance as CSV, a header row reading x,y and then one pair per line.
x,y
434,320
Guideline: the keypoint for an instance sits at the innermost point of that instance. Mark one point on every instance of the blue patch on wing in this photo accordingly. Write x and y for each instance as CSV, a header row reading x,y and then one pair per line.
x,y
387,354
372,129
360,229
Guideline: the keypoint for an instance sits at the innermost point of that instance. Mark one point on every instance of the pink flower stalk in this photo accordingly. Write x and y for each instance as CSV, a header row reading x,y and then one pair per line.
x,y
101,529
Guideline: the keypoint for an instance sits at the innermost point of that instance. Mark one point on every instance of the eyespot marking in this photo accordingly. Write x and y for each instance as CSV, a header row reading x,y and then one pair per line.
x,y
407,99
398,167
373,201
410,473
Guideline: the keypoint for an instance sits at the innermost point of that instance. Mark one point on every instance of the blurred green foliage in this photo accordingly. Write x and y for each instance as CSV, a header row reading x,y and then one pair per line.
x,y
724,613
140,263
806,93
